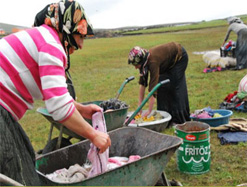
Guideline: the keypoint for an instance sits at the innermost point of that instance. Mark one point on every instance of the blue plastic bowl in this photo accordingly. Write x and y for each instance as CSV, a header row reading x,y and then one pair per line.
x,y
215,122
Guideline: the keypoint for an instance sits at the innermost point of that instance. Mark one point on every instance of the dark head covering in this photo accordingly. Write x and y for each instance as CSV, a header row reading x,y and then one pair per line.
x,y
67,17
234,20
137,56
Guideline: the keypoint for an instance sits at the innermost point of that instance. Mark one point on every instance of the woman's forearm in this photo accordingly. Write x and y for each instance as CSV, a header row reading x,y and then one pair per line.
x,y
80,126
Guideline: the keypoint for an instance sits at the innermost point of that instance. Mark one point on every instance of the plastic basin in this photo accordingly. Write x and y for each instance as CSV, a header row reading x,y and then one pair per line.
x,y
215,122
157,125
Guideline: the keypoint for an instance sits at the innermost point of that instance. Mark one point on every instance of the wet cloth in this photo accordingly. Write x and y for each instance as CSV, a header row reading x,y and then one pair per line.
x,y
232,137
75,173
17,157
173,97
115,162
205,113
99,161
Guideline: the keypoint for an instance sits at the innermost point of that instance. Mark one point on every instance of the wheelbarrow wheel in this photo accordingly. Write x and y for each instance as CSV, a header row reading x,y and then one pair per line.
x,y
51,145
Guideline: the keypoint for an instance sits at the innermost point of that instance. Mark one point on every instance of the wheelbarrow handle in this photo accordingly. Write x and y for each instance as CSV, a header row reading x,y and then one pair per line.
x,y
8,181
123,84
145,101
130,78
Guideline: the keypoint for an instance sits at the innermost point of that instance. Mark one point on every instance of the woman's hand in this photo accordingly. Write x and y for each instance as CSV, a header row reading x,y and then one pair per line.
x,y
146,113
87,110
78,125
101,141
150,107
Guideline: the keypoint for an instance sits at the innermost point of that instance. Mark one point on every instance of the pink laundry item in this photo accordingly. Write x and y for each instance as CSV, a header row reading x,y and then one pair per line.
x,y
123,160
203,115
133,158
99,161
115,161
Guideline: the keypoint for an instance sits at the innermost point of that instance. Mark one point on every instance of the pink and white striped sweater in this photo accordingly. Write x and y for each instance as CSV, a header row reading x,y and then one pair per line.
x,y
32,64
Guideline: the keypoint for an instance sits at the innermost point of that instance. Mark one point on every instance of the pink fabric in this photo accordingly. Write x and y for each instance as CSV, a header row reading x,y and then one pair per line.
x,y
202,115
123,160
99,161
133,158
115,161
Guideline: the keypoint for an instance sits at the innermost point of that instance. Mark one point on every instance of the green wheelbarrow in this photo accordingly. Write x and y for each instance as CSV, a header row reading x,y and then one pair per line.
x,y
114,119
155,150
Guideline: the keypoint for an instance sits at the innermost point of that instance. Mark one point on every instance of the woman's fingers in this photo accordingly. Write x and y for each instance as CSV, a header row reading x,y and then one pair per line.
x,y
102,141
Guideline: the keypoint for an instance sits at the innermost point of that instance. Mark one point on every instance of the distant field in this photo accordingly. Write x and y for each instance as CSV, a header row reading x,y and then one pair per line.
x,y
101,67
195,26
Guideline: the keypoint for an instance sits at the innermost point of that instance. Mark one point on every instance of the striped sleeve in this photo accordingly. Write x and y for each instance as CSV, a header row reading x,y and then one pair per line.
x,y
33,67
56,96
52,61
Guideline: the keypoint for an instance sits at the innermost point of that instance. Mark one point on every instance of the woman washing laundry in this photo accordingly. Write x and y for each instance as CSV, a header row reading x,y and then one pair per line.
x,y
165,61
236,25
33,64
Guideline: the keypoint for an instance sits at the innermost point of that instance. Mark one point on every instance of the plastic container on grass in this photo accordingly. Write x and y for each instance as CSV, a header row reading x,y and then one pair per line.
x,y
193,155
215,122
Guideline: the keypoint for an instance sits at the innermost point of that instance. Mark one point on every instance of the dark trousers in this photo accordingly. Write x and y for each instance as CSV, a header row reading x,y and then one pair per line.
x,y
241,49
17,157
173,97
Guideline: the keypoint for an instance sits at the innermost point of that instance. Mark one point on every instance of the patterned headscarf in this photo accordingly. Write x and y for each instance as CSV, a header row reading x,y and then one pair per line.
x,y
67,17
137,56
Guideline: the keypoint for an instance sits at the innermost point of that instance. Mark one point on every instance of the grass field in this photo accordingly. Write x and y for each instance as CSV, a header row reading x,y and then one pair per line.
x,y
101,67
